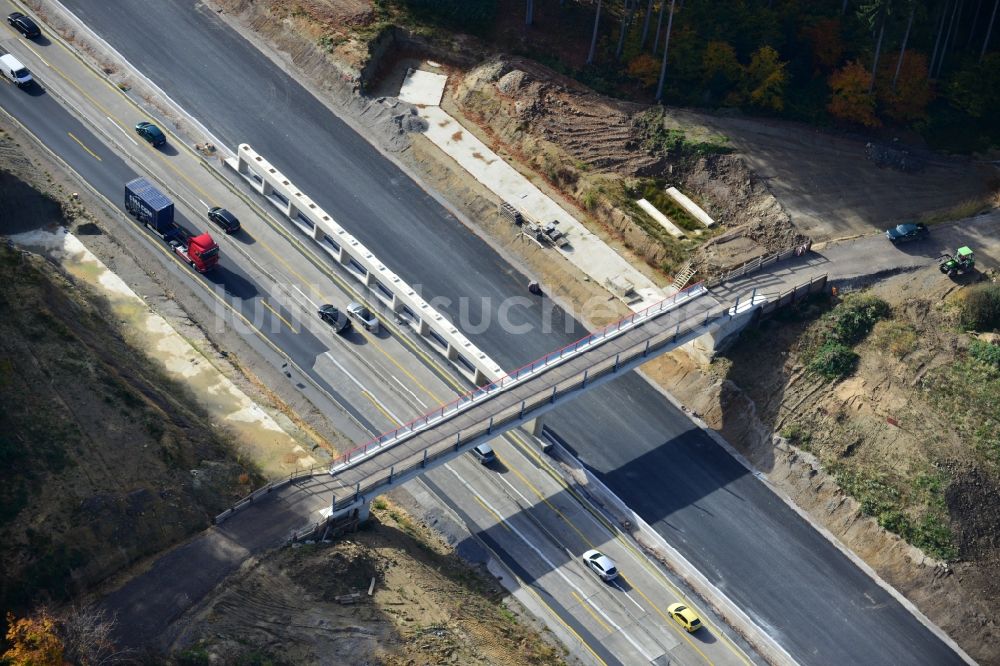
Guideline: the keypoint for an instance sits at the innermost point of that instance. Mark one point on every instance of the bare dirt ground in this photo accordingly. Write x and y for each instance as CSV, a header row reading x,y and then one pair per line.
x,y
305,604
830,190
97,446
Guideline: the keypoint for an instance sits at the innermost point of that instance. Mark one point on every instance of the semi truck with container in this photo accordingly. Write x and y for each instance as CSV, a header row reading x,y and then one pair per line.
x,y
154,210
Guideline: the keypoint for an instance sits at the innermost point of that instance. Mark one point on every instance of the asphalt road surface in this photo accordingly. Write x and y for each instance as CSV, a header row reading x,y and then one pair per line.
x,y
818,605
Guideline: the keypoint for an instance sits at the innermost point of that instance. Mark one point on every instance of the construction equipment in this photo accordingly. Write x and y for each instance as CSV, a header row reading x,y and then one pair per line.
x,y
962,262
546,235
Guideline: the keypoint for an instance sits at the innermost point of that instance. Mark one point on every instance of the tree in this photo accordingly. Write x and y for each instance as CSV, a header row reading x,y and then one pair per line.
x,y
765,79
593,39
645,68
627,17
33,641
721,70
720,59
827,45
874,15
850,98
907,97
975,89
989,30
906,38
666,49
645,24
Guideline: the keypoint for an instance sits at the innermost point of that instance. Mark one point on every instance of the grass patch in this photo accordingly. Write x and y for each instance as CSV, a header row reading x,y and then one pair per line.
x,y
980,308
895,337
882,500
969,392
833,360
828,346
656,137
797,435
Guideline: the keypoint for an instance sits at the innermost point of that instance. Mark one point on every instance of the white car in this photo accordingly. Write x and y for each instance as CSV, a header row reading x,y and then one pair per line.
x,y
364,316
601,564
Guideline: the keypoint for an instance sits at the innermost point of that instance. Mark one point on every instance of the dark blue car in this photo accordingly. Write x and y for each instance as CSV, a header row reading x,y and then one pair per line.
x,y
907,232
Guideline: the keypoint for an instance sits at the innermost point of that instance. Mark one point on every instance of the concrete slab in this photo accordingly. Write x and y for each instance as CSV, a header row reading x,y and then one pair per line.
x,y
423,88
662,219
585,250
691,207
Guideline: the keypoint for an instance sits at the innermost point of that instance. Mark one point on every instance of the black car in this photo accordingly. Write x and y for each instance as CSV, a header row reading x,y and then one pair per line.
x,y
335,318
907,232
24,25
151,133
224,219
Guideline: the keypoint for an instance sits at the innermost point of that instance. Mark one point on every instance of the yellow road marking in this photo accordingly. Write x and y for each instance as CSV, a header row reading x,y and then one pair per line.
x,y
378,406
639,556
443,373
586,606
92,153
493,513
276,314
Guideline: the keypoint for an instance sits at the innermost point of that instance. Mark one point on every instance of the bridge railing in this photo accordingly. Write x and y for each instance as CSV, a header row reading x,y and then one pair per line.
x,y
271,486
498,422
552,358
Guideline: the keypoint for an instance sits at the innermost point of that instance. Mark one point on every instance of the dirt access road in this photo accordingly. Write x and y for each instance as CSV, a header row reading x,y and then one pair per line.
x,y
830,189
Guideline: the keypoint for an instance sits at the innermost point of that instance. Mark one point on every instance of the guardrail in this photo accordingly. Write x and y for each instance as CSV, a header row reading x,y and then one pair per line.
x,y
266,490
361,264
458,405
756,264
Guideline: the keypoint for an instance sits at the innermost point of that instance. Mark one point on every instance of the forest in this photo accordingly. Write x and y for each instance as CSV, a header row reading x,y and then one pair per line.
x,y
926,71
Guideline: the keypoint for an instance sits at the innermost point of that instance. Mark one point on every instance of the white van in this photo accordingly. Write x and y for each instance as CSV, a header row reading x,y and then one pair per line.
x,y
15,71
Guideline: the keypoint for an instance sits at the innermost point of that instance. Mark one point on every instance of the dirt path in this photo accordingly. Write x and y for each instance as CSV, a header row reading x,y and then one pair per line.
x,y
830,189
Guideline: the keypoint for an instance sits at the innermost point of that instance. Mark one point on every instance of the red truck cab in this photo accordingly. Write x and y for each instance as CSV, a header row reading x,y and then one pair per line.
x,y
201,252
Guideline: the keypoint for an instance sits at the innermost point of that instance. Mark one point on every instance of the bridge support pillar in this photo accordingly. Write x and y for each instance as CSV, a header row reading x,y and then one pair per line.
x,y
534,426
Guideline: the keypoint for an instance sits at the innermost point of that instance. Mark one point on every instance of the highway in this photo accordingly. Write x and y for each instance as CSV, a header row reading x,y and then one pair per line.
x,y
609,624
817,604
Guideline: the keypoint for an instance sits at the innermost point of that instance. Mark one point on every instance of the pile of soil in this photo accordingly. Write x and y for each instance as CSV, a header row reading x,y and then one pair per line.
x,y
300,605
582,142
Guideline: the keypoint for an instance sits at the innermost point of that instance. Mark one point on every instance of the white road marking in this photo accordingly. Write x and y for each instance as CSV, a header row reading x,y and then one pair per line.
x,y
311,302
37,55
363,387
552,566
122,130
204,204
405,388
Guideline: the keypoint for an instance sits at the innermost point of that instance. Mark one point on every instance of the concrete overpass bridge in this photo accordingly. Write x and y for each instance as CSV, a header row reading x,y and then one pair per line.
x,y
345,488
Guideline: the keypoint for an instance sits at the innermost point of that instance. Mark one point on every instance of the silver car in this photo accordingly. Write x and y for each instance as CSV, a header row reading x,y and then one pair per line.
x,y
364,316
601,564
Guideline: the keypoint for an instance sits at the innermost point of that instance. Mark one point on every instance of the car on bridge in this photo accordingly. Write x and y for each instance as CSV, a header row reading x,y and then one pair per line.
x,y
151,133
24,25
601,564
907,232
685,617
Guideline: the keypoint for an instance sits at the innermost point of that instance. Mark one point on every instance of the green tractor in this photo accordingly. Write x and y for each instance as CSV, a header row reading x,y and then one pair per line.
x,y
963,262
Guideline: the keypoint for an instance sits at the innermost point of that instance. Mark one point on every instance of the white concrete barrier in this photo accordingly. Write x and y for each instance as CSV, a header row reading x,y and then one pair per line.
x,y
693,209
359,262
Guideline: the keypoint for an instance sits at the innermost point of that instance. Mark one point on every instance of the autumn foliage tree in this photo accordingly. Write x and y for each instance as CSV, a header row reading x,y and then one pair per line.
x,y
849,98
33,641
909,100
827,46
764,80
644,68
